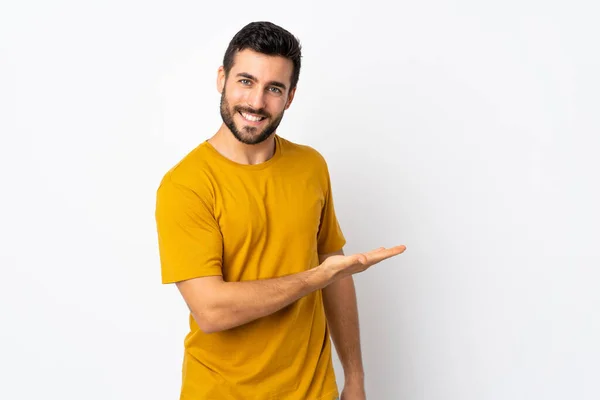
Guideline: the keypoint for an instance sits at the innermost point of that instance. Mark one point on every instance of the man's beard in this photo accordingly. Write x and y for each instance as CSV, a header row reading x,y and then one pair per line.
x,y
247,134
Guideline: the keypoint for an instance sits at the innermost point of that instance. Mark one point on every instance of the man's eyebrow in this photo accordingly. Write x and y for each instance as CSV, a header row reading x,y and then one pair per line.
x,y
252,77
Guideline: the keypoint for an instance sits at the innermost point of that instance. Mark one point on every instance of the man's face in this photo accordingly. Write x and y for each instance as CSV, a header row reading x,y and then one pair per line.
x,y
255,95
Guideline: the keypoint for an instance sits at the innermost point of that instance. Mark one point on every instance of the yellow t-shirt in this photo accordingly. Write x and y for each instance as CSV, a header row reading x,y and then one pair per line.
x,y
248,222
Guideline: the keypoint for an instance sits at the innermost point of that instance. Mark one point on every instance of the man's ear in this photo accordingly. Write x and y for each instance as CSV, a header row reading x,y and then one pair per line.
x,y
290,98
221,78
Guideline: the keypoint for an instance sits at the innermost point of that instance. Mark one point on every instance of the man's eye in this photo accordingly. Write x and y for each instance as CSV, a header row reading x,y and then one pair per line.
x,y
244,81
275,89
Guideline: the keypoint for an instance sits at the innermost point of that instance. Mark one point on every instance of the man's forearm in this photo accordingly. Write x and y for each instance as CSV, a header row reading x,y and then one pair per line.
x,y
235,303
342,317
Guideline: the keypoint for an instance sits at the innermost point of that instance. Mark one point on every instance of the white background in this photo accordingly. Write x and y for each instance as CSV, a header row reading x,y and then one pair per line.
x,y
467,131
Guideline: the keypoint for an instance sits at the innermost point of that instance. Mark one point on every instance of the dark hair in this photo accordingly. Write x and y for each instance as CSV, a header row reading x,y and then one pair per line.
x,y
266,38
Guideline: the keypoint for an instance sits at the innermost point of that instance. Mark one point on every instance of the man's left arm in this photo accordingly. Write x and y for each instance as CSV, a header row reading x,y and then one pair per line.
x,y
339,299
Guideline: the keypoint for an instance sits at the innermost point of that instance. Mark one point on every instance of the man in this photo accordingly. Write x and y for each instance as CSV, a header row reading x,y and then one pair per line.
x,y
248,232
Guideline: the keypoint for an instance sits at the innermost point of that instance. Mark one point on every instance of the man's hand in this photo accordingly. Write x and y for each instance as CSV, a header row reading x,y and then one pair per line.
x,y
339,266
353,391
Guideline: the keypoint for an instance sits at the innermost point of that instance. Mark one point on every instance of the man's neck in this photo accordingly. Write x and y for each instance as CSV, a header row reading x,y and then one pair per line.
x,y
225,143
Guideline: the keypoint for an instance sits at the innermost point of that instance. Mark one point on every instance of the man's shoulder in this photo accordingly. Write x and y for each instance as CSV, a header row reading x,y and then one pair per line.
x,y
302,151
190,170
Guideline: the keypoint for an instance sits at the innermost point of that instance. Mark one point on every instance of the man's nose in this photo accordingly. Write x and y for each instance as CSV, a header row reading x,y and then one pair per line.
x,y
256,98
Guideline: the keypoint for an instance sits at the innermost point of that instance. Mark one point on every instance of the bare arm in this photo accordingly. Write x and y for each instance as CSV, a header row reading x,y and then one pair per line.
x,y
342,317
217,305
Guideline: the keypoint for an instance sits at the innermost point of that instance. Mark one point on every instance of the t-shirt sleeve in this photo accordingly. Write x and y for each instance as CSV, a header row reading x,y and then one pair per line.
x,y
330,237
189,240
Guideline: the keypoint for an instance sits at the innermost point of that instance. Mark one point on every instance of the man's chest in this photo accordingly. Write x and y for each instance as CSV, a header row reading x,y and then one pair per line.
x,y
269,214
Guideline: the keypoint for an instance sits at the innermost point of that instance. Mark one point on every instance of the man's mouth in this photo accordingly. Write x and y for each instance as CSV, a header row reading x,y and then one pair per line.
x,y
251,117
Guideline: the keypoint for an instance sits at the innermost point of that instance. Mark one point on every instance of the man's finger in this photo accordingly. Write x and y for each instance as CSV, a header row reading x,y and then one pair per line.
x,y
375,251
369,254
386,253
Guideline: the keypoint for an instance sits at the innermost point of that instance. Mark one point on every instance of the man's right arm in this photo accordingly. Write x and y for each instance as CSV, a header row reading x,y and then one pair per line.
x,y
217,305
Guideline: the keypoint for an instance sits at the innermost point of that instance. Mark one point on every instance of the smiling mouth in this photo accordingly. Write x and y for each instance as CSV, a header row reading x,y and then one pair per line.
x,y
251,117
